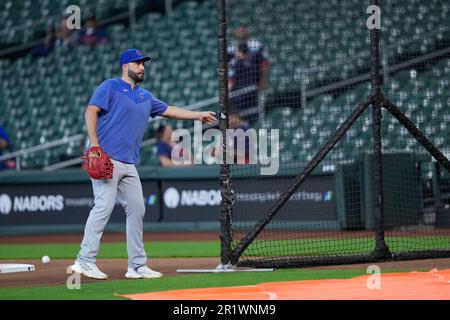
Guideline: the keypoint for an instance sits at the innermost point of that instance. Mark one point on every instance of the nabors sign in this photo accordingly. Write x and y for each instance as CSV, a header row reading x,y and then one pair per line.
x,y
174,198
31,203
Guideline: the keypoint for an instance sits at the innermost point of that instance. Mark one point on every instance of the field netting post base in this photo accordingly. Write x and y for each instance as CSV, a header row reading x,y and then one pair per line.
x,y
225,269
269,237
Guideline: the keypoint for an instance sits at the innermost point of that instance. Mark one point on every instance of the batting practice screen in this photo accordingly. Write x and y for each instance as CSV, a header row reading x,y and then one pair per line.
x,y
352,90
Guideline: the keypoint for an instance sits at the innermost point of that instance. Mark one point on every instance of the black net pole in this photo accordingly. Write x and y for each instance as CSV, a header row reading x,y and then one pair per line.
x,y
375,56
381,249
225,187
417,134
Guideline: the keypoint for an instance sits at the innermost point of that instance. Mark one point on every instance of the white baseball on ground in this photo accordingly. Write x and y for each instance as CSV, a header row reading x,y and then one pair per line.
x,y
45,259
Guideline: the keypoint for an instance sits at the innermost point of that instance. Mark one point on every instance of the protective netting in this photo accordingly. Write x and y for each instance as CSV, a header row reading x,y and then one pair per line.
x,y
302,67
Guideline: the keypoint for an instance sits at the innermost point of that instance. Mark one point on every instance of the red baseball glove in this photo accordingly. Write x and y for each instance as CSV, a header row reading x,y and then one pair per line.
x,y
97,164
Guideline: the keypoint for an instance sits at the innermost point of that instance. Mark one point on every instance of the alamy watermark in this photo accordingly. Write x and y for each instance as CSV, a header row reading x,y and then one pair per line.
x,y
374,20
374,281
74,280
248,146
73,21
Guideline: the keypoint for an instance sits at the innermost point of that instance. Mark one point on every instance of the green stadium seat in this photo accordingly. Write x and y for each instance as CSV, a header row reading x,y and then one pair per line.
x,y
183,70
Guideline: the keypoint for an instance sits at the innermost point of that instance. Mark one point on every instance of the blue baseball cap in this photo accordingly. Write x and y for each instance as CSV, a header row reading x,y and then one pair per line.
x,y
130,55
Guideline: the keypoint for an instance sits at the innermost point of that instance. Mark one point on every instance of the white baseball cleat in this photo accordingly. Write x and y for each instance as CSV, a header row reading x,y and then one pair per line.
x,y
142,272
89,270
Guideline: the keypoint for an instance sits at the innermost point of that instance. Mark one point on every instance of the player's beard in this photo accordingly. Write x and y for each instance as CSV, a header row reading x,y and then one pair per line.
x,y
135,77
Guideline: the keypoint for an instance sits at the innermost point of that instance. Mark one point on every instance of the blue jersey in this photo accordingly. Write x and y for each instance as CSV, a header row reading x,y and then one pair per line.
x,y
123,118
246,72
164,149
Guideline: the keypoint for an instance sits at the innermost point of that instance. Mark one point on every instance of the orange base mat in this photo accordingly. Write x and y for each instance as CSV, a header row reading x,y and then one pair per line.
x,y
430,285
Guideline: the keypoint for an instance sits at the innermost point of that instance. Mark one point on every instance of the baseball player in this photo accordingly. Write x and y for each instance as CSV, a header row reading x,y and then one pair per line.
x,y
116,119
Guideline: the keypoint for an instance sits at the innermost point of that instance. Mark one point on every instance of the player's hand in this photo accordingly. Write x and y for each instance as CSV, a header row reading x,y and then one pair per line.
x,y
207,117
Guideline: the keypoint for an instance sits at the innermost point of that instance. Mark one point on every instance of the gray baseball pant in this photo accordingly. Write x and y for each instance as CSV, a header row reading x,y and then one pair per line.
x,y
126,185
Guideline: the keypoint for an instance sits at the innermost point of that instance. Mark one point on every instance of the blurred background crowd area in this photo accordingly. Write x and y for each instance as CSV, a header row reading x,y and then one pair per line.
x,y
318,55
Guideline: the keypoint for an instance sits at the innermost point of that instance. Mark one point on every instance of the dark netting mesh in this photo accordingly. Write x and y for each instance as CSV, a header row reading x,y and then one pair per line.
x,y
303,68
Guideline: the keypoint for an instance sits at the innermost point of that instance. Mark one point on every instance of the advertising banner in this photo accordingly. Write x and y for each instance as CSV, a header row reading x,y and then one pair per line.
x,y
52,204
200,199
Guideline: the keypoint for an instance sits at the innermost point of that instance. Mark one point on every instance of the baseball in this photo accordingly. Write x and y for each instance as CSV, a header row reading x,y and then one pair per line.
x,y
45,259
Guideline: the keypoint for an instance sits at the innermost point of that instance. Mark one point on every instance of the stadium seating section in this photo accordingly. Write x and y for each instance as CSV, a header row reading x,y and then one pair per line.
x,y
43,14
44,98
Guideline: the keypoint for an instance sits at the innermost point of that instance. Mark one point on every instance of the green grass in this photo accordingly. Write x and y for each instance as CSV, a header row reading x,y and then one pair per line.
x,y
186,249
105,290
326,246
198,249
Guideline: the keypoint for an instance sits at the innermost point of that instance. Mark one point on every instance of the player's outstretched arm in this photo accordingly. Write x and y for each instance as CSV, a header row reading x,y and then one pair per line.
x,y
90,117
182,114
